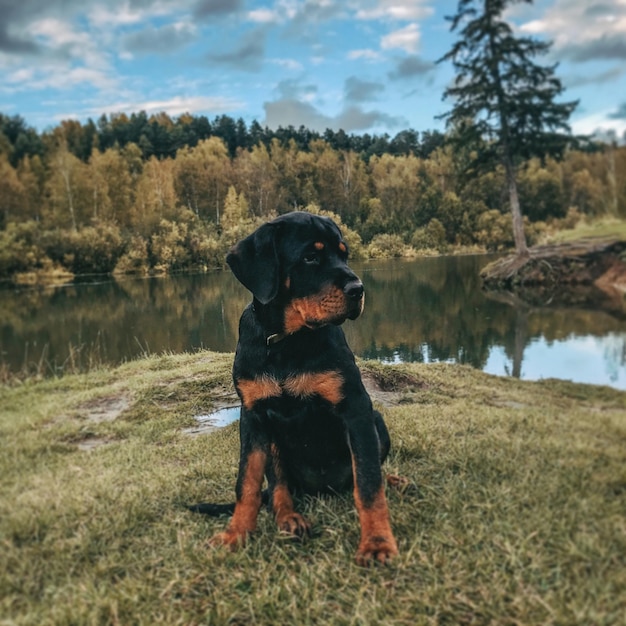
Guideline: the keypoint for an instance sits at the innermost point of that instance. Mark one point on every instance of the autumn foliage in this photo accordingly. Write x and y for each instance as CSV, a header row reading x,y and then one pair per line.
x,y
71,199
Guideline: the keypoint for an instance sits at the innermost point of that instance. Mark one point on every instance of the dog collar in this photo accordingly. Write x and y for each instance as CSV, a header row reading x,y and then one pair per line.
x,y
275,338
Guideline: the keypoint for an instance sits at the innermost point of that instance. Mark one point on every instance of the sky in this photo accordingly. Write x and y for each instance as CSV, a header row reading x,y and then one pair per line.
x,y
360,65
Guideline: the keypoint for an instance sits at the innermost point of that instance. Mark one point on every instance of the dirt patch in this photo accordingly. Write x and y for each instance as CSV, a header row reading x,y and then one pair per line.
x,y
104,409
91,443
390,389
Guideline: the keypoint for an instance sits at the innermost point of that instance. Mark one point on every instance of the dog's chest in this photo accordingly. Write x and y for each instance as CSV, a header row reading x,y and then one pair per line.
x,y
325,385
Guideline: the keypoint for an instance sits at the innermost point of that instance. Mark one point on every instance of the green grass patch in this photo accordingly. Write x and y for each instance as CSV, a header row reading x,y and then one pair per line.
x,y
518,515
602,228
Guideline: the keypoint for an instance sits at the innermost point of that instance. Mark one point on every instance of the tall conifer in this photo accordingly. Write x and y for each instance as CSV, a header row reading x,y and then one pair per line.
x,y
504,102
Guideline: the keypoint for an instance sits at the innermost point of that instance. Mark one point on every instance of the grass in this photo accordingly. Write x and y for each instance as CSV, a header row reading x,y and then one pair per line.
x,y
601,228
518,516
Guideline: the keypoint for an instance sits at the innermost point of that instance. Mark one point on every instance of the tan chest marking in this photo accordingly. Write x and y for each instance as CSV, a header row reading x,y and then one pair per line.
x,y
327,385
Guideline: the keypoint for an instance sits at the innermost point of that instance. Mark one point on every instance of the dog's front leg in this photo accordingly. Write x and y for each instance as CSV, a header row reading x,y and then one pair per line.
x,y
289,521
377,544
252,464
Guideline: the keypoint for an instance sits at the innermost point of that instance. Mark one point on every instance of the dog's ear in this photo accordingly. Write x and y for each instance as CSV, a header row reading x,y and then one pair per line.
x,y
254,261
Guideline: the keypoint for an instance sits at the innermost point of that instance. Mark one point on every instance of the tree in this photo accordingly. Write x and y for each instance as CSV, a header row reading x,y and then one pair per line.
x,y
504,102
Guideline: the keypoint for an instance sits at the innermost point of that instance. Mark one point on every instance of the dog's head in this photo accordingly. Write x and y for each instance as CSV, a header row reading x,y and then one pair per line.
x,y
299,262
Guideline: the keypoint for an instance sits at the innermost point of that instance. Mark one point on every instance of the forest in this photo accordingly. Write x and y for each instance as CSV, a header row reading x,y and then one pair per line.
x,y
146,194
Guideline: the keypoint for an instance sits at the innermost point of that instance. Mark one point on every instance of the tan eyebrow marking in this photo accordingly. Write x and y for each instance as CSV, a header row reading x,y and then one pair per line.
x,y
319,245
342,246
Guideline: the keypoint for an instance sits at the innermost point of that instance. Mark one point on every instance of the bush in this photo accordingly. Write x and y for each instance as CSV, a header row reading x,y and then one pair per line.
x,y
135,259
168,250
387,247
20,249
92,250
494,230
431,237
206,249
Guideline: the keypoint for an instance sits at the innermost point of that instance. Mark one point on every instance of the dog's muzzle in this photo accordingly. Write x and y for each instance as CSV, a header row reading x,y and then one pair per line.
x,y
355,298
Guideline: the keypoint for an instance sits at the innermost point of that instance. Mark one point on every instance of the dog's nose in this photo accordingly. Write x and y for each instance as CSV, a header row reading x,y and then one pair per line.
x,y
354,289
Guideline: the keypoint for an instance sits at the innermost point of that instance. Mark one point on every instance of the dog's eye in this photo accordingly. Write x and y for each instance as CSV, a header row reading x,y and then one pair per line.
x,y
311,259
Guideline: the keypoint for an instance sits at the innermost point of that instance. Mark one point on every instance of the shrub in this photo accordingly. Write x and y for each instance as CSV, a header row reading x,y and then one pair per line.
x,y
135,259
20,249
494,230
387,247
92,250
168,250
431,237
206,249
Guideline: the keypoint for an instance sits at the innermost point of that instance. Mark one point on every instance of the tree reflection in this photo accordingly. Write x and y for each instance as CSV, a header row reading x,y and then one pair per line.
x,y
423,311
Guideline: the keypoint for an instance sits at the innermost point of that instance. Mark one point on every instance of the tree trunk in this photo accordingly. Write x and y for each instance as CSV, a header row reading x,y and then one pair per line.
x,y
521,248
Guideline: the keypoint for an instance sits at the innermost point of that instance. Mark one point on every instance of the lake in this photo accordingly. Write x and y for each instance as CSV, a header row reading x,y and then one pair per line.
x,y
424,310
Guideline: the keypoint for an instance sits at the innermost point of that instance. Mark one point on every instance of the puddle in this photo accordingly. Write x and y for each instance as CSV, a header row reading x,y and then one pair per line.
x,y
211,421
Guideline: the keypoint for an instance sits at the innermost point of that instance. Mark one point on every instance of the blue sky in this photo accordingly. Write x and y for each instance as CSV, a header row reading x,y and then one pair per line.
x,y
360,65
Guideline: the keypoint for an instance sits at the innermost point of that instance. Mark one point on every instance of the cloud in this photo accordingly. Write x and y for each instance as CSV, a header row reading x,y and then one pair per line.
x,y
15,44
584,31
291,88
317,11
282,11
216,8
172,106
607,47
357,90
354,118
619,113
406,39
176,105
367,54
411,67
601,122
594,78
247,56
159,40
292,112
394,10
288,64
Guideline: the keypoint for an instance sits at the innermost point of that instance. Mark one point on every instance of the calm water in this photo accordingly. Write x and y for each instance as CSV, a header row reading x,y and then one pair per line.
x,y
425,310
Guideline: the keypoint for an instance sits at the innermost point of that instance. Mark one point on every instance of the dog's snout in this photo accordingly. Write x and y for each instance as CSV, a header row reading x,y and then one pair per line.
x,y
354,289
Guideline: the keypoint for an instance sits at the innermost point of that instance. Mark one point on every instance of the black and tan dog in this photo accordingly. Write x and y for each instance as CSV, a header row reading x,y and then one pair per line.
x,y
307,423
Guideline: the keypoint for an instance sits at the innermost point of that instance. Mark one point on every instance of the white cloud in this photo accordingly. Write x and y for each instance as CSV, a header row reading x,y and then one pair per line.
x,y
406,39
58,33
367,54
102,15
582,30
23,75
598,122
172,106
289,64
395,10
264,16
282,11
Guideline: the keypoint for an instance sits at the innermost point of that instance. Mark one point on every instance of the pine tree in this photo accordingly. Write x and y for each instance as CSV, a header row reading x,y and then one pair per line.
x,y
504,103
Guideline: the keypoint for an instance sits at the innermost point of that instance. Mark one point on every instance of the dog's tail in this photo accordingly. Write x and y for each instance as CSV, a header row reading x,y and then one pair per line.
x,y
215,510
212,509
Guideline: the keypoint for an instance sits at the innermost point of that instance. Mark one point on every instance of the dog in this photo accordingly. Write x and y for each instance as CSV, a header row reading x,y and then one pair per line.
x,y
307,423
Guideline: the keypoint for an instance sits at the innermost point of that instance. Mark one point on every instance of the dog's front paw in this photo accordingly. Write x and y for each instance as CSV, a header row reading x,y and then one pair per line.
x,y
294,524
230,539
373,550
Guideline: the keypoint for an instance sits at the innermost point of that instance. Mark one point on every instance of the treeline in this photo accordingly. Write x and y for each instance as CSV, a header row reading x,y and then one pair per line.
x,y
161,136
140,194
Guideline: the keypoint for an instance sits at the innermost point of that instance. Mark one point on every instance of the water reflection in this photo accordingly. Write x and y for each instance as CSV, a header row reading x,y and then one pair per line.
x,y
425,310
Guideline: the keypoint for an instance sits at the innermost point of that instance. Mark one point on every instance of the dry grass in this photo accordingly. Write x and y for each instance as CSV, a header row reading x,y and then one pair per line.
x,y
519,515
601,228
